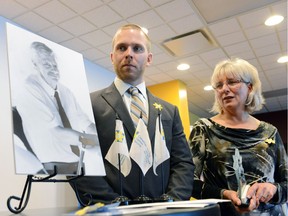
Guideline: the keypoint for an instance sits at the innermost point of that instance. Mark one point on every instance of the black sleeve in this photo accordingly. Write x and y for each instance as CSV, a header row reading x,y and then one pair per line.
x,y
197,143
93,189
182,166
281,172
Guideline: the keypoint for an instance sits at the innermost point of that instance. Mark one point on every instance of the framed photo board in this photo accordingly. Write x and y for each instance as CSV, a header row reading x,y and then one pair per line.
x,y
47,83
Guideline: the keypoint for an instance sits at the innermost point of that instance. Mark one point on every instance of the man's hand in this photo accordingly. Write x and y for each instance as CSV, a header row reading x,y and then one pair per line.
x,y
88,140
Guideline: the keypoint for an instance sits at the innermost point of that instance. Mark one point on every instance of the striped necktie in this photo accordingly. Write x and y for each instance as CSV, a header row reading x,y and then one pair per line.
x,y
65,120
137,108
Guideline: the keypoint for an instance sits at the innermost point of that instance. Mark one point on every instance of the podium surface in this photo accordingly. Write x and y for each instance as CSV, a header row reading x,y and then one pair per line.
x,y
211,210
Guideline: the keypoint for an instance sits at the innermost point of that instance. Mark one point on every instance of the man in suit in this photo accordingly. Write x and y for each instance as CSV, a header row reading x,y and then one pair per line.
x,y
130,56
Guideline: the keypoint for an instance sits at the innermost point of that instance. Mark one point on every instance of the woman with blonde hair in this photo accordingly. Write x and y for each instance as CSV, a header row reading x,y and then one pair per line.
x,y
233,150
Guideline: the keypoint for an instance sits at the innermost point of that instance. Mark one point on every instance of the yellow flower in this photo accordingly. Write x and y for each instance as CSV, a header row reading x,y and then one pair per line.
x,y
158,106
270,141
119,136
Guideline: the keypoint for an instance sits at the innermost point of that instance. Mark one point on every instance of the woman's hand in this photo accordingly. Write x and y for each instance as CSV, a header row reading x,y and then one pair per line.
x,y
233,196
264,192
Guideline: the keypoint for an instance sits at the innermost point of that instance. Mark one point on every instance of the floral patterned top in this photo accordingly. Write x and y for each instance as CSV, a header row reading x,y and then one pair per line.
x,y
264,158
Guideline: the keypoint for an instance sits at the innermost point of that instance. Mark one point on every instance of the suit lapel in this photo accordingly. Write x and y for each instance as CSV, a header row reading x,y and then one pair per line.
x,y
153,113
114,99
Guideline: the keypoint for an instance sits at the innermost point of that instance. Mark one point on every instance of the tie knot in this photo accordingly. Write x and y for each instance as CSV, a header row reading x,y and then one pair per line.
x,y
133,91
56,94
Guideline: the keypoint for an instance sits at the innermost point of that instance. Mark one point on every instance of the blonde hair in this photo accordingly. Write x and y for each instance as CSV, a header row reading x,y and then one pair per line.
x,y
136,27
242,70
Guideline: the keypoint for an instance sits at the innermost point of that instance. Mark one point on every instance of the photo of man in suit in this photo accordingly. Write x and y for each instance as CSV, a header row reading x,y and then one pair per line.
x,y
54,124
131,54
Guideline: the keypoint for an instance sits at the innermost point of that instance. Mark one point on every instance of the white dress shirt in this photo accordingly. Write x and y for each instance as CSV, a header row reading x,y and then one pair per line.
x,y
39,112
122,87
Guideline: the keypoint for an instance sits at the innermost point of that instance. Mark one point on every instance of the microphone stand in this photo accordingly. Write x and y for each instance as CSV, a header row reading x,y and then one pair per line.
x,y
122,199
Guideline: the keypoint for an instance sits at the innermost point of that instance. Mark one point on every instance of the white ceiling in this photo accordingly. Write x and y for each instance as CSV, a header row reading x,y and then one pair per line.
x,y
235,26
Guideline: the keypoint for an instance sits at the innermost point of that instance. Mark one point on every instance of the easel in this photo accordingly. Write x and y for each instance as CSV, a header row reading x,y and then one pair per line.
x,y
23,201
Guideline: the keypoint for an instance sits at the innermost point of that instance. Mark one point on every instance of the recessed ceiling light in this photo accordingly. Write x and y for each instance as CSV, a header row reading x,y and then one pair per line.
x,y
274,20
283,59
183,67
208,88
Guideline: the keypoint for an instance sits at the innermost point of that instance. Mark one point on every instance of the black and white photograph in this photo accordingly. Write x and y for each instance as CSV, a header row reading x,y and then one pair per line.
x,y
53,123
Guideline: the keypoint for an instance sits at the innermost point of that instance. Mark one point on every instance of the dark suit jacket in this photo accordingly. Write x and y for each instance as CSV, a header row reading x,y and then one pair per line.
x,y
177,172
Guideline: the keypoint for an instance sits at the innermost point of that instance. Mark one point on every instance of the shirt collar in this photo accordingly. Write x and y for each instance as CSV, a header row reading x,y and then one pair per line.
x,y
122,87
45,86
